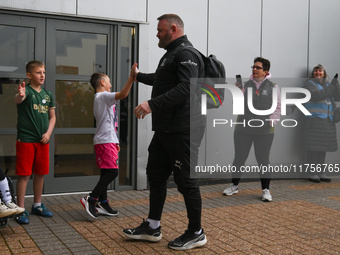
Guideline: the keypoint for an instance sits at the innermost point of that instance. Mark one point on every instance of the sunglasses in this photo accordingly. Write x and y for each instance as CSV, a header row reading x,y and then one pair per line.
x,y
257,67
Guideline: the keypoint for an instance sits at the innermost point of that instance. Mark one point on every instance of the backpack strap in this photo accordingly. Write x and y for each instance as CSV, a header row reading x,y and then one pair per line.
x,y
200,56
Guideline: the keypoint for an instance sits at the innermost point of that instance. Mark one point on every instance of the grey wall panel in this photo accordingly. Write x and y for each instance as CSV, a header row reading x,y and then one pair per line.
x,y
285,36
235,33
285,44
324,45
287,146
49,6
194,16
219,138
132,10
325,35
234,37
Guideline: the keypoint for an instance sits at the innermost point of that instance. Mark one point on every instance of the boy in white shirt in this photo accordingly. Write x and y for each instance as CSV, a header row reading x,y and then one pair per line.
x,y
106,143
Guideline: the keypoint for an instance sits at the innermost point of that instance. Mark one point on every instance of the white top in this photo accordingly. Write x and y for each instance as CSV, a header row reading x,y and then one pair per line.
x,y
104,110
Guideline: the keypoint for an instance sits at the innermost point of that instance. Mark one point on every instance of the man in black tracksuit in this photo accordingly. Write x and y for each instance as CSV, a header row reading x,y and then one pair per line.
x,y
171,147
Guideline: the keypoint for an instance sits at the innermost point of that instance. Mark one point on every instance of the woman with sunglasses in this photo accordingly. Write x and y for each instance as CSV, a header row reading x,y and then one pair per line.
x,y
319,130
256,129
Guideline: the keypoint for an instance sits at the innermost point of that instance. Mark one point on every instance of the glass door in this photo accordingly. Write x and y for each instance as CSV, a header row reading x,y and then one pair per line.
x,y
72,51
75,50
20,42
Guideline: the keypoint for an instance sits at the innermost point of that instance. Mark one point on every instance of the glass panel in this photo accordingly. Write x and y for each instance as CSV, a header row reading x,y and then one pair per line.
x,y
7,153
8,108
16,47
74,104
125,177
80,53
74,156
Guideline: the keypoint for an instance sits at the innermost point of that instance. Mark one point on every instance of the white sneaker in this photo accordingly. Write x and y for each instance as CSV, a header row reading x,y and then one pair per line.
x,y
5,211
232,189
266,195
13,206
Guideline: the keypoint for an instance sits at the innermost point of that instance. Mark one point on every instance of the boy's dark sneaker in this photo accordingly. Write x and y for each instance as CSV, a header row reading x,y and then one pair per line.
x,y
104,208
22,218
188,241
41,211
144,232
89,204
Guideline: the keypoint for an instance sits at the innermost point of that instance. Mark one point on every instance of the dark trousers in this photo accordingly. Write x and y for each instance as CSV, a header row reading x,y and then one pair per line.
x,y
170,153
106,177
262,146
316,157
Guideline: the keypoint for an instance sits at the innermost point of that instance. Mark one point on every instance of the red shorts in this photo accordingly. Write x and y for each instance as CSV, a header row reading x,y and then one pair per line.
x,y
32,158
106,155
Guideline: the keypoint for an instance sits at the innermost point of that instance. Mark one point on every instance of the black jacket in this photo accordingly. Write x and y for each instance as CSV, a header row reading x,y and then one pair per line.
x,y
170,98
262,100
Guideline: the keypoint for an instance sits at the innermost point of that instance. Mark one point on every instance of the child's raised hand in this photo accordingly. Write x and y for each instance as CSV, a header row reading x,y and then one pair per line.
x,y
134,71
21,95
22,90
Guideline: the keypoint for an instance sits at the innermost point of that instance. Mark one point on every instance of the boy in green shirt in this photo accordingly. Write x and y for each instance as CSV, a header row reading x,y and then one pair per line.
x,y
36,120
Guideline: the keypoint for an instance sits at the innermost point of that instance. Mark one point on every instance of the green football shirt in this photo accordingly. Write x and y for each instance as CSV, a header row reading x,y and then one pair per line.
x,y
33,116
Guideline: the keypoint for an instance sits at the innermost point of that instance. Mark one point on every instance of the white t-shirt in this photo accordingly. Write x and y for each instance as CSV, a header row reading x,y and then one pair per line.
x,y
104,110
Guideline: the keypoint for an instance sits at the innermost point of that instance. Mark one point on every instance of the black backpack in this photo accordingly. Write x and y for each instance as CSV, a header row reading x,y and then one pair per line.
x,y
214,73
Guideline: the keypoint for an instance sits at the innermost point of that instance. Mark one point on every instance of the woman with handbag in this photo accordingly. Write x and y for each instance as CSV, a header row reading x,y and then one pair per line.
x,y
320,130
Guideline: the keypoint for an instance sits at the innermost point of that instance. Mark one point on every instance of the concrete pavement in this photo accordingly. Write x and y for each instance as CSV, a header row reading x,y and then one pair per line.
x,y
304,218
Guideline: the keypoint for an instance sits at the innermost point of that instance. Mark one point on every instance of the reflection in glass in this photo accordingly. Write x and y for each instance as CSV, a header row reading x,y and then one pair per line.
x,y
7,153
80,53
74,104
74,156
8,108
16,47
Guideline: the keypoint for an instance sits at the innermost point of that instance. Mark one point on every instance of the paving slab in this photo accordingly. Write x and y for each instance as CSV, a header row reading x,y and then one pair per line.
x,y
304,218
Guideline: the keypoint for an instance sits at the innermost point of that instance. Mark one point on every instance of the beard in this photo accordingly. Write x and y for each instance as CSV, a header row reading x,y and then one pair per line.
x,y
163,42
